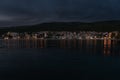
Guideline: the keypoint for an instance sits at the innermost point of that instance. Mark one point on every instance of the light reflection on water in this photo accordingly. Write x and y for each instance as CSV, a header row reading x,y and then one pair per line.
x,y
107,47
55,57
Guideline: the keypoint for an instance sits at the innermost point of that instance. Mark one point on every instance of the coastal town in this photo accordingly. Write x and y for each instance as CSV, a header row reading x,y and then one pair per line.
x,y
62,35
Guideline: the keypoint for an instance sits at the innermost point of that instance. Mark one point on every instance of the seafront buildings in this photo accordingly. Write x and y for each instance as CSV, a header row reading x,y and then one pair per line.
x,y
62,35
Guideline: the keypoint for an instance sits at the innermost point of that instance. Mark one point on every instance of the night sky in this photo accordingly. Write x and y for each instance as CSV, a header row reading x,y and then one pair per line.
x,y
24,12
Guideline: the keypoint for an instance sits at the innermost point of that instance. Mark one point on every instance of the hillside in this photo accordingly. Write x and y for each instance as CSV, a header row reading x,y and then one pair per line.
x,y
67,26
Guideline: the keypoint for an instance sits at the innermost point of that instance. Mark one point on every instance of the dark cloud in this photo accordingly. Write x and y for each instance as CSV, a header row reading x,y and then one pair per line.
x,y
21,12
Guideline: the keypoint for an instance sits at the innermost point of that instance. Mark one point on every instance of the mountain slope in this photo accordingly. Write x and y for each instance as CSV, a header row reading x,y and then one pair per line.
x,y
67,26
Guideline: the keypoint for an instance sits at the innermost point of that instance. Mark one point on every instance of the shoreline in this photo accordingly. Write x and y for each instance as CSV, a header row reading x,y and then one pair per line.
x,y
59,39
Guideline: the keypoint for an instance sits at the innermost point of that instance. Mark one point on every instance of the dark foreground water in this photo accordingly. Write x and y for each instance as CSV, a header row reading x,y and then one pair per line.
x,y
82,60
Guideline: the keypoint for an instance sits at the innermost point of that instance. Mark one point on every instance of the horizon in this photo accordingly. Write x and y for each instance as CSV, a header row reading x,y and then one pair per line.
x,y
50,22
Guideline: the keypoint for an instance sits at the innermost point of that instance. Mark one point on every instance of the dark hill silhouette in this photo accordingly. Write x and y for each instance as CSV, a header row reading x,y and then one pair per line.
x,y
67,26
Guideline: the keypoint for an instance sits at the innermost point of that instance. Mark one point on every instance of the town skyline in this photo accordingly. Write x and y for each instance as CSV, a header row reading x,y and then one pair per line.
x,y
89,35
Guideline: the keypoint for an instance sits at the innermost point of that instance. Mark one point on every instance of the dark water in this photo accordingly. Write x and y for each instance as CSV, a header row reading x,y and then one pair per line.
x,y
63,59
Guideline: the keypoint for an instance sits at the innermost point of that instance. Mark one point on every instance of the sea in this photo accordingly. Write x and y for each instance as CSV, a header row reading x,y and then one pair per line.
x,y
43,59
